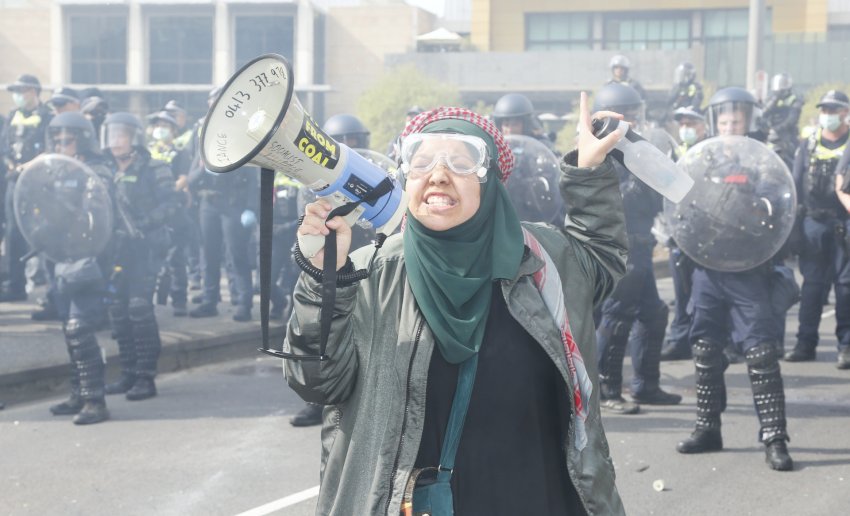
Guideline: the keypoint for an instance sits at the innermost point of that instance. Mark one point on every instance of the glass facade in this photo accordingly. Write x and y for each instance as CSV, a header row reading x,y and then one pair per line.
x,y
641,31
256,35
558,31
98,49
180,49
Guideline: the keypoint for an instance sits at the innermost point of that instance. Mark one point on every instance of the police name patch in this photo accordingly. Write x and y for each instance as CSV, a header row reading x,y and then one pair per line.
x,y
316,145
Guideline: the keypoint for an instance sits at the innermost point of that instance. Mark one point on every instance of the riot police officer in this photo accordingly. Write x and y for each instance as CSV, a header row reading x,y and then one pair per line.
x,y
95,109
635,301
225,200
284,270
781,115
81,284
64,99
744,299
620,66
824,252
24,140
686,90
145,200
514,114
183,134
677,345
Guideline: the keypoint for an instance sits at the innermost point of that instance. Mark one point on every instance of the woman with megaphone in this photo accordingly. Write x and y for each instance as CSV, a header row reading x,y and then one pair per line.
x,y
459,375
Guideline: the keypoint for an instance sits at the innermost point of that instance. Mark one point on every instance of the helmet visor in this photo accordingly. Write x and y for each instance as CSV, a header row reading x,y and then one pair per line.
x,y
121,136
464,155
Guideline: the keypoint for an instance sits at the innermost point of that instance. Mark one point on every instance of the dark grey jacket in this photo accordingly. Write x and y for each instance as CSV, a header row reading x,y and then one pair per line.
x,y
380,348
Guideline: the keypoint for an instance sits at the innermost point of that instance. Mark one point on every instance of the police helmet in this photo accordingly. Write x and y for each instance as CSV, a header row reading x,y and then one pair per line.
x,y
24,82
63,96
685,73
834,99
512,105
620,98
347,129
172,106
781,82
92,105
162,116
75,123
729,100
122,122
91,91
687,112
414,110
621,61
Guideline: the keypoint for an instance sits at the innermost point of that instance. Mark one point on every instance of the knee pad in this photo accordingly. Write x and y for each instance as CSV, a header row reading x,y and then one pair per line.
x,y
140,309
708,354
762,357
76,328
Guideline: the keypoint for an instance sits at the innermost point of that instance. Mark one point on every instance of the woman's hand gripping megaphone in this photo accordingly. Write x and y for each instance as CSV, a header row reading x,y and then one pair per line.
x,y
316,227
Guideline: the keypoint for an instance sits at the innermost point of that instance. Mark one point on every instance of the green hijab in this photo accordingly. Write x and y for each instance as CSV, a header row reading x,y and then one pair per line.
x,y
451,273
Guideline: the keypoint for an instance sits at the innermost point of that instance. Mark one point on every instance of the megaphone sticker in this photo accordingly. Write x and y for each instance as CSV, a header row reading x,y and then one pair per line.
x,y
316,145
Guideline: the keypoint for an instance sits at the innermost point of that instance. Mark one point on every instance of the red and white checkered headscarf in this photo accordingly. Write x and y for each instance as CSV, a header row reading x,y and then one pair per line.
x,y
506,156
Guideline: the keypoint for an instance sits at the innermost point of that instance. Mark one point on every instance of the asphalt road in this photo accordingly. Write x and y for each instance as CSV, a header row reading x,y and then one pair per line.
x,y
217,441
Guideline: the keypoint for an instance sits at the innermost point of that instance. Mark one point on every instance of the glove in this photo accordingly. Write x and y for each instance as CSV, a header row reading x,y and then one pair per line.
x,y
248,219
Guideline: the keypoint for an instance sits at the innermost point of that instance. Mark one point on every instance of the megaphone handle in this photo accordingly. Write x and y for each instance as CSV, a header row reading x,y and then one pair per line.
x,y
311,244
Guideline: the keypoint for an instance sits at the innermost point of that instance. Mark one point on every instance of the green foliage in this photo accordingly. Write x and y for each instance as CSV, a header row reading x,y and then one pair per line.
x,y
809,114
384,106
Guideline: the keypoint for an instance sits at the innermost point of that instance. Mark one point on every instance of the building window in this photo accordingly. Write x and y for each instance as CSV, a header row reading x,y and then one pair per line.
x,y
256,35
558,31
642,31
98,49
725,24
180,49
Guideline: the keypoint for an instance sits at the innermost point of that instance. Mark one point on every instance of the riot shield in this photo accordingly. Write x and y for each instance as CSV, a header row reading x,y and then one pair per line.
x,y
533,185
63,208
662,140
741,208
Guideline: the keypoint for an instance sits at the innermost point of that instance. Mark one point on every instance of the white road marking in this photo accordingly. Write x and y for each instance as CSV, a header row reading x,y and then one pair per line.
x,y
828,313
282,503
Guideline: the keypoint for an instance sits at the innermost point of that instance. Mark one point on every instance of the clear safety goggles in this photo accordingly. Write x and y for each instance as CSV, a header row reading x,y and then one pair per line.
x,y
462,154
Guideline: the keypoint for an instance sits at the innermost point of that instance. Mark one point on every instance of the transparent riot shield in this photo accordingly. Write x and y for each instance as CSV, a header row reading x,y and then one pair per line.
x,y
533,185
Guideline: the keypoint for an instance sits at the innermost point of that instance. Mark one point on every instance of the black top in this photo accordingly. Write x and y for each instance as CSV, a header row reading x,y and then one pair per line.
x,y
511,458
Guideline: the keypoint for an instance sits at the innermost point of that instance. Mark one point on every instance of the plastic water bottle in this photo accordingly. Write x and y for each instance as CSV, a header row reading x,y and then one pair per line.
x,y
644,160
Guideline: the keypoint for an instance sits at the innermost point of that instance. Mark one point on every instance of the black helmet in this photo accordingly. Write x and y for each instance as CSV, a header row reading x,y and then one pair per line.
x,y
781,82
685,73
122,122
414,110
834,99
687,112
73,122
63,96
347,129
620,98
512,105
93,104
161,116
733,99
621,61
91,91
25,81
173,106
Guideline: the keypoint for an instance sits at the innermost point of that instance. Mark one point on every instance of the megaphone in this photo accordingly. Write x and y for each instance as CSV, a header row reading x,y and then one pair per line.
x,y
257,119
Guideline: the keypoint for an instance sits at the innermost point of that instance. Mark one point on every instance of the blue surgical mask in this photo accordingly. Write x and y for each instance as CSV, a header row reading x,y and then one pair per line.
x,y
688,135
830,122
18,99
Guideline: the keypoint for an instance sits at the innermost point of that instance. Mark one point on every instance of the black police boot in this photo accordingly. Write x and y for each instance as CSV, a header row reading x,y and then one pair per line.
x,y
675,351
769,397
776,455
92,412
802,352
612,337
143,389
310,415
243,314
204,310
88,360
148,347
197,299
74,403
710,363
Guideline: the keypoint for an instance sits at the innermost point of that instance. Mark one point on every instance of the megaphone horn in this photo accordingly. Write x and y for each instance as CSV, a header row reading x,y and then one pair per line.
x,y
257,119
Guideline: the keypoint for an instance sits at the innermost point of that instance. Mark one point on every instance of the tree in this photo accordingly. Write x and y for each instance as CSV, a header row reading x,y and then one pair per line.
x,y
384,106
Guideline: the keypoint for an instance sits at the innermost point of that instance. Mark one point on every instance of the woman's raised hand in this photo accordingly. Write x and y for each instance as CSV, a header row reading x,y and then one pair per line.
x,y
592,150
314,224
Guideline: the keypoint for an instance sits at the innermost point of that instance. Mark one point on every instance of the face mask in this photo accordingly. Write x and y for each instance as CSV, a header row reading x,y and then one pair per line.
x,y
18,99
829,122
688,135
161,133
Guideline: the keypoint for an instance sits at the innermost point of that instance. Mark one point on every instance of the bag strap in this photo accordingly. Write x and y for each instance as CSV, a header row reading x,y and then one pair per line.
x,y
454,428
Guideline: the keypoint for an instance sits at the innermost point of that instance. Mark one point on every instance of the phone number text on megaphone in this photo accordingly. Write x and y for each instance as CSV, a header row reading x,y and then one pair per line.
x,y
259,81
316,145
